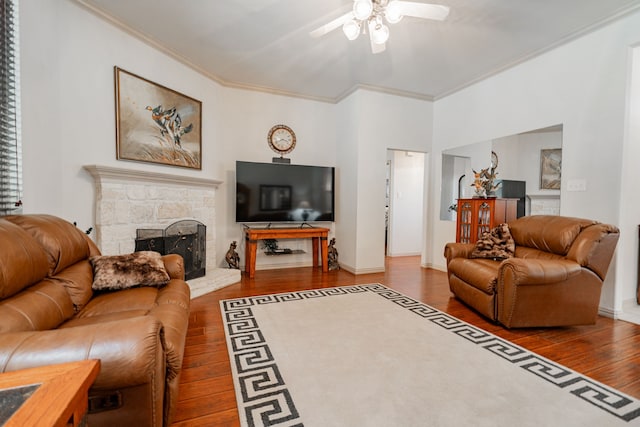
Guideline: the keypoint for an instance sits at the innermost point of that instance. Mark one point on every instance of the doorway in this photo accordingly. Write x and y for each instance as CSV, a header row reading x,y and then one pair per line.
x,y
404,225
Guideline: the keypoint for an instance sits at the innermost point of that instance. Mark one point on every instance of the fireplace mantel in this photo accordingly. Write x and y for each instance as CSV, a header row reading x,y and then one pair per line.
x,y
110,173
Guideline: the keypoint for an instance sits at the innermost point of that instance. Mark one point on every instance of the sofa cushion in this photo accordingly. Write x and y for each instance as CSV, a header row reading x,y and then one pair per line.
x,y
23,262
139,300
144,268
63,243
102,318
532,253
42,306
495,244
547,233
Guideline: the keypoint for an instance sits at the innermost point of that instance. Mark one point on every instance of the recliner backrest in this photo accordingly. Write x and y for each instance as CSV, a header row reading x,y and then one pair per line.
x,y
28,300
548,233
63,242
23,261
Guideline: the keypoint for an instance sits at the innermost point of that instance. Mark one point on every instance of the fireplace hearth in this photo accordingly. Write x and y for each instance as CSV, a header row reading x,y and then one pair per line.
x,y
186,238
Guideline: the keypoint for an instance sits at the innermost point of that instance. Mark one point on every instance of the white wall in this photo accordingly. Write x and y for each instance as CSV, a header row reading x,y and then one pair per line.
x,y
68,107
246,119
347,176
381,122
581,85
69,121
627,265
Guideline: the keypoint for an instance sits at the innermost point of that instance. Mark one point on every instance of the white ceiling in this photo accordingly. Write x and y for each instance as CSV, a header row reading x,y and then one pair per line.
x,y
265,44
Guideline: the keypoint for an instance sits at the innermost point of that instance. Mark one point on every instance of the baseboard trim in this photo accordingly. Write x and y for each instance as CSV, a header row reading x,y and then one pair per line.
x,y
278,266
403,254
630,311
607,312
442,268
356,271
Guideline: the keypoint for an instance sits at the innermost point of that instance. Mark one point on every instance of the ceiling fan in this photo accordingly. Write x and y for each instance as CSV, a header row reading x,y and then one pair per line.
x,y
371,15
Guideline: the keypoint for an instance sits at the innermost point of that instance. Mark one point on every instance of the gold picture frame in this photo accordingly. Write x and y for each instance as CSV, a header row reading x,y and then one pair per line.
x,y
550,168
155,124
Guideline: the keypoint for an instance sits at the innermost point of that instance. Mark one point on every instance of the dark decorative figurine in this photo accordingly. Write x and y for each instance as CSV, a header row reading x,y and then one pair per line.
x,y
271,245
232,257
332,255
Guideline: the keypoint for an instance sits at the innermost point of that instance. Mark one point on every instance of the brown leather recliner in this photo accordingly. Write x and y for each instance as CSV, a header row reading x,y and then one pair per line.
x,y
49,314
554,279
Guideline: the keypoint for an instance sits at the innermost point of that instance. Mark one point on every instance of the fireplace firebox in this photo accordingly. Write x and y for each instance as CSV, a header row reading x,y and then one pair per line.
x,y
186,238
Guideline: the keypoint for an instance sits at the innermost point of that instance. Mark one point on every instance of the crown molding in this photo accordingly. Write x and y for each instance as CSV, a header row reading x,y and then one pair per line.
x,y
280,92
385,90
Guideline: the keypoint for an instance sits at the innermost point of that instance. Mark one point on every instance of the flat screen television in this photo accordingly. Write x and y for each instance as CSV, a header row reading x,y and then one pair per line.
x,y
277,192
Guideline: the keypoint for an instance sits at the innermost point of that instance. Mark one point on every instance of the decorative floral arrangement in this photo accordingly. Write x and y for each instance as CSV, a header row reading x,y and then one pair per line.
x,y
483,182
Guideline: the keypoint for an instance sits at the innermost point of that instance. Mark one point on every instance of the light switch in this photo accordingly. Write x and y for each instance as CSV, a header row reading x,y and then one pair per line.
x,y
577,185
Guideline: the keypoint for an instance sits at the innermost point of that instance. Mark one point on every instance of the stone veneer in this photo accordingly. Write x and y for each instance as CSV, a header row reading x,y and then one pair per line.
x,y
543,204
128,199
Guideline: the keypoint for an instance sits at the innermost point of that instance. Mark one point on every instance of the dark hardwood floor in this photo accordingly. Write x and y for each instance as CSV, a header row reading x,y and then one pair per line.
x,y
607,351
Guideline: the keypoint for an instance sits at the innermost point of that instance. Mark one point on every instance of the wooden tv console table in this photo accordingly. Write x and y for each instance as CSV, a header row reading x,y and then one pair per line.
x,y
316,234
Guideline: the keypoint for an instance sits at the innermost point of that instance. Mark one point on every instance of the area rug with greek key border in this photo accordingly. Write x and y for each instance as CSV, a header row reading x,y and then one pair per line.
x,y
366,355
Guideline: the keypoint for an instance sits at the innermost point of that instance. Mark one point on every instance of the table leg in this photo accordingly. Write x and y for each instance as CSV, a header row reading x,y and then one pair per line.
x,y
315,242
325,254
251,247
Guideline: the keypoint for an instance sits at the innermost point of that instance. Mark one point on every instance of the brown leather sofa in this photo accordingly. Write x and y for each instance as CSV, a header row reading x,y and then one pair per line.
x,y
49,314
554,279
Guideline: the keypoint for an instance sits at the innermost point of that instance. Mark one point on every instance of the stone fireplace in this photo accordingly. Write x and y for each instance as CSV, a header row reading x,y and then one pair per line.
x,y
128,200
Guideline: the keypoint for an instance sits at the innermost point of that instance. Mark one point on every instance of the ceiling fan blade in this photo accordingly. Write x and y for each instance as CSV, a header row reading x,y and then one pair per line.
x,y
330,26
423,10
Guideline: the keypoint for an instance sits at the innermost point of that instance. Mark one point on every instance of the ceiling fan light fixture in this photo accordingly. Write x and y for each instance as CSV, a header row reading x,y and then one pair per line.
x,y
351,29
372,16
392,12
362,9
379,33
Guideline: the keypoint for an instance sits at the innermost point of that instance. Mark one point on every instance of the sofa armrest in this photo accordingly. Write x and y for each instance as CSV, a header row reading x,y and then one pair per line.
x,y
174,264
534,271
457,250
536,292
128,350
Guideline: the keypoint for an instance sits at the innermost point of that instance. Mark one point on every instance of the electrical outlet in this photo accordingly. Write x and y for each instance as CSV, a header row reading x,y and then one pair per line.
x,y
577,185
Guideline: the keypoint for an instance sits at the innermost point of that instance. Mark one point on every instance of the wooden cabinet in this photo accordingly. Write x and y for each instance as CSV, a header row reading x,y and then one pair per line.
x,y
477,216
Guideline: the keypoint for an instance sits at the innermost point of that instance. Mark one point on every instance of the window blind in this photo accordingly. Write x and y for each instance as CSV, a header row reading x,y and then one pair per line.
x,y
10,150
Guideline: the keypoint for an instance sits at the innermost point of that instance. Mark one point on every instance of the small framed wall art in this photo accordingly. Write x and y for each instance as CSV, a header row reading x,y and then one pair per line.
x,y
550,168
156,124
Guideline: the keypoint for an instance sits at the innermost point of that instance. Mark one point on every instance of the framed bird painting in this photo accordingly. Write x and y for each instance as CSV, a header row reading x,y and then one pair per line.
x,y
550,168
156,124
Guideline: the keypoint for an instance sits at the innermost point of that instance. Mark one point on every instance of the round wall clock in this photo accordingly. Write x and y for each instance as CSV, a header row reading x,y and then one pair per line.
x,y
281,139
494,160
